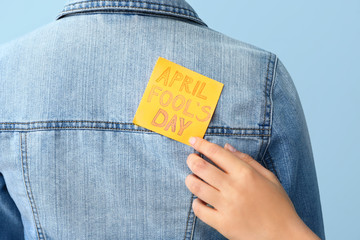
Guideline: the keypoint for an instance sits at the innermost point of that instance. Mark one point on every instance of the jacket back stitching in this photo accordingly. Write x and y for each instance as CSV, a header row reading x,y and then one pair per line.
x,y
25,167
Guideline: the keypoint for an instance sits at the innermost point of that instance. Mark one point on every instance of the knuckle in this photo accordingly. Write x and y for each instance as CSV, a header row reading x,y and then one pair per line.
x,y
248,158
188,180
193,185
212,149
247,174
190,158
244,156
195,188
198,165
207,148
196,207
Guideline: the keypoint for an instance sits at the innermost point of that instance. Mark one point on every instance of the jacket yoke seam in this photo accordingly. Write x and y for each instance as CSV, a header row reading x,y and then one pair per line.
x,y
119,126
126,130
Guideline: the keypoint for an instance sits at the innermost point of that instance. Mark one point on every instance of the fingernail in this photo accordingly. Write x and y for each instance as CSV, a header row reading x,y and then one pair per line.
x,y
230,148
192,140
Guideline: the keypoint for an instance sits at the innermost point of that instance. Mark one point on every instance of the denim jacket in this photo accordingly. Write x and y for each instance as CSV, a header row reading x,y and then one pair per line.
x,y
72,164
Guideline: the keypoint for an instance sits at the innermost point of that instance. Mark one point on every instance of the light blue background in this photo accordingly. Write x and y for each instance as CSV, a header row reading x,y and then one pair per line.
x,y
318,41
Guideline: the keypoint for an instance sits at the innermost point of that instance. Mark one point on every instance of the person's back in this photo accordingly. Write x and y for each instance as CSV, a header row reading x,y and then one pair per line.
x,y
73,162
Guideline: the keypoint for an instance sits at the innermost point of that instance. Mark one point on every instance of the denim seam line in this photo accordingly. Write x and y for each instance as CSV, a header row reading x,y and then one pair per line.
x,y
131,1
267,108
119,126
271,116
266,87
193,227
126,130
269,95
262,140
190,220
197,20
117,123
255,129
26,177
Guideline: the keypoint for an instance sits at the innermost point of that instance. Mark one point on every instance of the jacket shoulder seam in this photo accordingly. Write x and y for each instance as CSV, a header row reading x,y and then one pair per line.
x,y
268,108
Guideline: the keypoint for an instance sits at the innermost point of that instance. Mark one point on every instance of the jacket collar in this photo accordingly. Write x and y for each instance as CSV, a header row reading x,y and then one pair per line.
x,y
178,9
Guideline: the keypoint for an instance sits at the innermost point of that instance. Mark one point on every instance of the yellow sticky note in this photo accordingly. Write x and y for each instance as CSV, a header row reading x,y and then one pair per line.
x,y
177,103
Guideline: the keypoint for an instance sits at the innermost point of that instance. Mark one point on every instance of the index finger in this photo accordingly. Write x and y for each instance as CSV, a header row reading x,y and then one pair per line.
x,y
221,157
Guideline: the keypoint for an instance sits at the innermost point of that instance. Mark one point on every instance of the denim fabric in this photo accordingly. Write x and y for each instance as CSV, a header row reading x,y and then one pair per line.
x,y
72,164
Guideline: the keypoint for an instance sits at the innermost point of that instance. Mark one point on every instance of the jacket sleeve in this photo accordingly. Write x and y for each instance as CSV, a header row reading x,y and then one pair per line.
x,y
10,221
289,154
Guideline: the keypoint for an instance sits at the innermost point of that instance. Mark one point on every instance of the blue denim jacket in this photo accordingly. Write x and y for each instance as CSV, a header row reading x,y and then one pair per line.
x,y
72,164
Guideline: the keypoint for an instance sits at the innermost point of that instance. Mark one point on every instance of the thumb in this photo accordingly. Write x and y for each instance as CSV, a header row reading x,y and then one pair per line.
x,y
254,164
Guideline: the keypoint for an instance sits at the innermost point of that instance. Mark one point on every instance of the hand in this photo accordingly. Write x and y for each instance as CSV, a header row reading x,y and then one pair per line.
x,y
248,201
